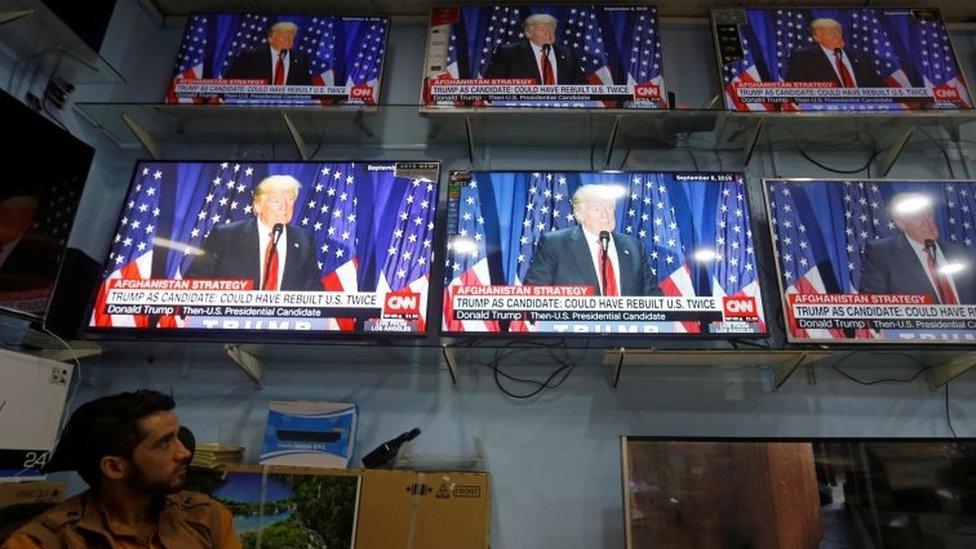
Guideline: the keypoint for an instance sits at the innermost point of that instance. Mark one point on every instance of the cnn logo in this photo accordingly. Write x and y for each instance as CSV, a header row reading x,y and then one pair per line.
x,y
362,92
402,305
647,91
947,93
739,307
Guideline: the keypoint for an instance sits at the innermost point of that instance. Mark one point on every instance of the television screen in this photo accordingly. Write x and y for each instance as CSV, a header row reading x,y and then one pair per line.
x,y
38,201
857,59
544,56
600,253
272,247
827,493
876,260
280,59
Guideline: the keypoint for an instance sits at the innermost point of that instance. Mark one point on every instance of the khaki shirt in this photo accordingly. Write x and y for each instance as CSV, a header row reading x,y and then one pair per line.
x,y
188,520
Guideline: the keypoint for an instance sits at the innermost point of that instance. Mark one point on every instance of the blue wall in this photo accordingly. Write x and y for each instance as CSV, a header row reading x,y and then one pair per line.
x,y
554,460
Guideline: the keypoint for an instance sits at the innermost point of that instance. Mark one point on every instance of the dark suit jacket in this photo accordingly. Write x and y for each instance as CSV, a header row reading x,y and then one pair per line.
x,y
811,65
563,257
256,63
233,251
517,60
891,267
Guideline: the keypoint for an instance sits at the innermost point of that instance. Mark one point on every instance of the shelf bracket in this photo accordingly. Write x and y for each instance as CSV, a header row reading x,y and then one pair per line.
x,y
252,365
895,151
616,368
751,141
783,369
951,128
151,10
470,134
944,371
612,141
296,137
11,16
147,141
451,358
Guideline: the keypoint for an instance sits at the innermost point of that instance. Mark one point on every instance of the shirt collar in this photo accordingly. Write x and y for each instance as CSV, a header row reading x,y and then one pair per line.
x,y
830,53
538,49
593,239
265,230
275,52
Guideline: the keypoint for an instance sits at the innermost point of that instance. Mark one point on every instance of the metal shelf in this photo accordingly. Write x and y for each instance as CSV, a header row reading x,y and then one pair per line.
x,y
34,32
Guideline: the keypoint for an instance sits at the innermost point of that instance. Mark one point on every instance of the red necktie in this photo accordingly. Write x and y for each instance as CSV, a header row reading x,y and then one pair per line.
x,y
845,75
609,279
946,295
271,264
548,78
279,75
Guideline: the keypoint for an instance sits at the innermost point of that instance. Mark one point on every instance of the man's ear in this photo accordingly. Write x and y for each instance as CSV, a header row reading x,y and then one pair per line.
x,y
114,467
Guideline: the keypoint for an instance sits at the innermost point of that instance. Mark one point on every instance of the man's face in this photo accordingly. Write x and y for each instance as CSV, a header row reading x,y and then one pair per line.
x,y
596,215
919,226
281,39
275,206
829,36
160,461
541,33
14,221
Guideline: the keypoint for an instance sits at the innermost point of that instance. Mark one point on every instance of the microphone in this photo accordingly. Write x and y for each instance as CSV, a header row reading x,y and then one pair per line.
x,y
545,49
930,245
605,246
275,236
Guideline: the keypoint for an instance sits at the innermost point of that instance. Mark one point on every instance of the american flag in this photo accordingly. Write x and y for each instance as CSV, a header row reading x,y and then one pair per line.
x,y
406,264
131,254
743,70
251,33
369,60
581,33
939,69
644,63
467,259
504,26
865,217
318,42
735,271
549,207
61,204
961,206
190,62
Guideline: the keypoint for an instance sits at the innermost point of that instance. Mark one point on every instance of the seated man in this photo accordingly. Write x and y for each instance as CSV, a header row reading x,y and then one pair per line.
x,y
128,448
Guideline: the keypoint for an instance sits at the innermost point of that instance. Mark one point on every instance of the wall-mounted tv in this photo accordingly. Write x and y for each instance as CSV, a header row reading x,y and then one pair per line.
x,y
252,58
38,201
271,248
605,253
845,493
875,260
588,56
826,59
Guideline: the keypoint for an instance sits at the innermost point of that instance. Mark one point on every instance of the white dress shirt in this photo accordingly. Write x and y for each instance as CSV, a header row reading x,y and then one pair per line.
x,y
537,53
940,260
596,254
832,57
264,237
274,63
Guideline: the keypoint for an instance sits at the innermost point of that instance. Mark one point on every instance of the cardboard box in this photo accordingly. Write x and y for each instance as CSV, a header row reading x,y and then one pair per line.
x,y
410,509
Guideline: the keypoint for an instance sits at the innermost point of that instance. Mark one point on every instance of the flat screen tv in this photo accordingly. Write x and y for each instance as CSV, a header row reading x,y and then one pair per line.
x,y
252,58
845,493
38,201
299,248
883,261
827,59
600,253
588,56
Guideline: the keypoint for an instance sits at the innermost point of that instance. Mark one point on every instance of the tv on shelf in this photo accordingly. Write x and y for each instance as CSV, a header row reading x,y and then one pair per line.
x,y
571,56
875,261
38,202
264,59
600,253
263,248
790,59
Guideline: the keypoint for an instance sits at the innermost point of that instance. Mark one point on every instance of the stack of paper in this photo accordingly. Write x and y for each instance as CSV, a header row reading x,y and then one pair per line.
x,y
213,455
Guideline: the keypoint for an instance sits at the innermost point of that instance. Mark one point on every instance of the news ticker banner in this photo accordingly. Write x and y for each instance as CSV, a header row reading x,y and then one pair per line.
x,y
235,304
577,309
775,60
847,263
328,59
606,57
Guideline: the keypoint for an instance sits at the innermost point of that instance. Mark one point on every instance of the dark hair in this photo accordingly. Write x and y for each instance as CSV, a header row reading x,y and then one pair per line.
x,y
108,426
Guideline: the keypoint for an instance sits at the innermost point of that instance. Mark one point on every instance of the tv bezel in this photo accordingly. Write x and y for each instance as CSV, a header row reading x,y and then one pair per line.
x,y
730,336
202,335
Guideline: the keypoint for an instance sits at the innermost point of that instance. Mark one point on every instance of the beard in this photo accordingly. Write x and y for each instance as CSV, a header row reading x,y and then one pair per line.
x,y
139,480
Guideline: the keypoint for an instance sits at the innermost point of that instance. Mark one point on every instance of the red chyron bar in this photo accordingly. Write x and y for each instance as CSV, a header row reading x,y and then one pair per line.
x,y
878,312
